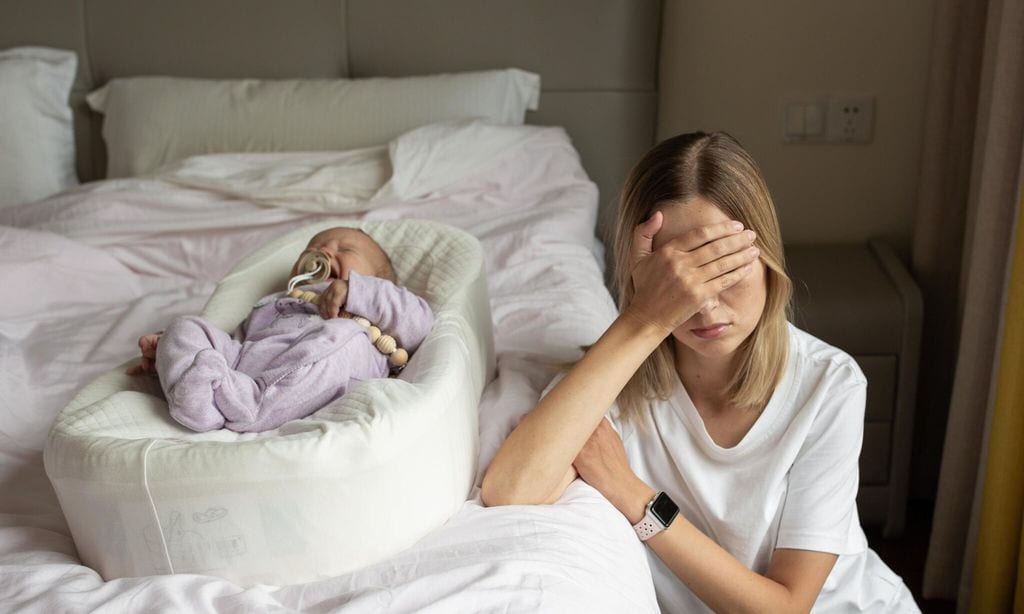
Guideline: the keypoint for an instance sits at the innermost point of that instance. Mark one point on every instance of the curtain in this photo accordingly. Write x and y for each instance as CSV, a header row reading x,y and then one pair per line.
x,y
997,584
987,209
958,32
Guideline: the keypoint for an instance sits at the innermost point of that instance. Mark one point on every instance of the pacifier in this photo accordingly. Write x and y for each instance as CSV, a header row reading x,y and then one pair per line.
x,y
314,267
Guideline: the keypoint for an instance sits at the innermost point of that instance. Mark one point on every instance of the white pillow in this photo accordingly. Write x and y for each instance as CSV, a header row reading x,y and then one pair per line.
x,y
150,121
37,138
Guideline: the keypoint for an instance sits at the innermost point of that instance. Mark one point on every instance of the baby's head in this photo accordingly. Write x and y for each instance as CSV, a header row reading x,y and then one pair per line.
x,y
351,249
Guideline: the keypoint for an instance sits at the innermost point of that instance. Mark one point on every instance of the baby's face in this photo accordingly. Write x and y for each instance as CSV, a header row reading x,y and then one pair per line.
x,y
349,250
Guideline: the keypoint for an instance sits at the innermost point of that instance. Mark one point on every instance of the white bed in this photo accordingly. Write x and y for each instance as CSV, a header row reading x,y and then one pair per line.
x,y
85,272
95,267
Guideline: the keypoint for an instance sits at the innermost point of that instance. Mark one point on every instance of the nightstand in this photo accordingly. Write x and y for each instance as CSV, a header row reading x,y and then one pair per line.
x,y
862,299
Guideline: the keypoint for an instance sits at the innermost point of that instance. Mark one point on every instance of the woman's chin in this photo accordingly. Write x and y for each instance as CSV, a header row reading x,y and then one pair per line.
x,y
708,346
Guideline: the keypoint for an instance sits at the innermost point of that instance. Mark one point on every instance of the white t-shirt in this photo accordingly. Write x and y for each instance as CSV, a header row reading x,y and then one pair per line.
x,y
791,482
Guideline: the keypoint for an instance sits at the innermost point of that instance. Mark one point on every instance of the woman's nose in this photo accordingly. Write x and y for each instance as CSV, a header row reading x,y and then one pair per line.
x,y
709,305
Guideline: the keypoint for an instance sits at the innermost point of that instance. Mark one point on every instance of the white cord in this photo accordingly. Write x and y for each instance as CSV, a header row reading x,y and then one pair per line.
x,y
152,505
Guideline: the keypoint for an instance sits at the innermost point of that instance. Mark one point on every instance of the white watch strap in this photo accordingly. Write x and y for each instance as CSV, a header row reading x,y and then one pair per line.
x,y
648,526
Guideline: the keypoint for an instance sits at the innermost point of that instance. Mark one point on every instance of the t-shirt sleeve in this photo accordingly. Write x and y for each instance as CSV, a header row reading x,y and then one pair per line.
x,y
820,511
622,426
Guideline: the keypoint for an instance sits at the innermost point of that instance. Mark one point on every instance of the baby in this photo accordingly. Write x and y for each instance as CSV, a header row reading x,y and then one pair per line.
x,y
291,356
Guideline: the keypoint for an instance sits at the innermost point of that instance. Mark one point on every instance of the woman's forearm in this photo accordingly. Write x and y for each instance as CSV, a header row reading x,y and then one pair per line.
x,y
535,458
710,572
792,583
715,576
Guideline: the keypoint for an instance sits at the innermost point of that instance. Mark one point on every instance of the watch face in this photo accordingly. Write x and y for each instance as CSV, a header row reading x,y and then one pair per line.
x,y
664,509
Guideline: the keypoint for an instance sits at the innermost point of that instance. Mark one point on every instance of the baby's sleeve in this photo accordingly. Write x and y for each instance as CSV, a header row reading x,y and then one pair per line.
x,y
820,511
393,309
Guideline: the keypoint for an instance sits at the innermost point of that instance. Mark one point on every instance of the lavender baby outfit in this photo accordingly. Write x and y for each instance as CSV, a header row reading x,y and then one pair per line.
x,y
284,362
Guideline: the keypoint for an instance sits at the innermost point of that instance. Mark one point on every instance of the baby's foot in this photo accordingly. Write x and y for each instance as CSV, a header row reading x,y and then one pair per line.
x,y
147,345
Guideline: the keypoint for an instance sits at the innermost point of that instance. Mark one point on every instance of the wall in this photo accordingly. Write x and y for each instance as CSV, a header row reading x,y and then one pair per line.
x,y
728,64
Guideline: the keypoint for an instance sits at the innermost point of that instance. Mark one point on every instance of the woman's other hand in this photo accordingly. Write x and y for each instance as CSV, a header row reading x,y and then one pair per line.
x,y
333,298
681,277
602,463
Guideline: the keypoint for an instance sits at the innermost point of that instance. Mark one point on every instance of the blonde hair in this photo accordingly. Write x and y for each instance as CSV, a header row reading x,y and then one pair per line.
x,y
716,167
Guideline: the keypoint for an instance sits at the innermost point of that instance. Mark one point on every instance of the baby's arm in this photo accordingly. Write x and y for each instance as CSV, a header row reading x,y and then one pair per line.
x,y
393,309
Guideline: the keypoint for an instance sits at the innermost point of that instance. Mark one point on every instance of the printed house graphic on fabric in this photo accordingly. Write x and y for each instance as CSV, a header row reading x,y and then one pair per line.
x,y
210,540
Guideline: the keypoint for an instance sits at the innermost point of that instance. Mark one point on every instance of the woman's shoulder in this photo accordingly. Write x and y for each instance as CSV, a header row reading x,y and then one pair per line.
x,y
829,398
819,361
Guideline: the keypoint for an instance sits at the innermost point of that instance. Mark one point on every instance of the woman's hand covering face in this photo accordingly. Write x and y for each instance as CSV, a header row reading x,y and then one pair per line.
x,y
676,280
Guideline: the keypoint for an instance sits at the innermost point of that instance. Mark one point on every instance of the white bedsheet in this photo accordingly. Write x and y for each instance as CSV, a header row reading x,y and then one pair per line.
x,y
85,273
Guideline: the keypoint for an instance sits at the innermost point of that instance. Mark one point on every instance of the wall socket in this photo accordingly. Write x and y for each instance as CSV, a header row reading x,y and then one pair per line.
x,y
839,118
851,118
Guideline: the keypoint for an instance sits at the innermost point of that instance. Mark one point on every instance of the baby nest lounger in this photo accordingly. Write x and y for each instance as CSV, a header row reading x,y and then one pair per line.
x,y
356,482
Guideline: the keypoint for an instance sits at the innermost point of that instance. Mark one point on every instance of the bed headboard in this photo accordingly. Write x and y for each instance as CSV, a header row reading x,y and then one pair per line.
x,y
597,58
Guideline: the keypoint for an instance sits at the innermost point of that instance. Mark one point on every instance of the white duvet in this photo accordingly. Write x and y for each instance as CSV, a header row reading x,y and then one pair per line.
x,y
85,273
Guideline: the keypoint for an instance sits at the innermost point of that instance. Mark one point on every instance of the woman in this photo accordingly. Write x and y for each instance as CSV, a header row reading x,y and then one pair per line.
x,y
748,426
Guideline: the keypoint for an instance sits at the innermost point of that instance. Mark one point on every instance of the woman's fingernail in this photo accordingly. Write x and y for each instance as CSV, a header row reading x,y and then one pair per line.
x,y
750,235
737,226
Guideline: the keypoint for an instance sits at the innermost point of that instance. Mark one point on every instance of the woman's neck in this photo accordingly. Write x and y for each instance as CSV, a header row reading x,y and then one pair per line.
x,y
706,379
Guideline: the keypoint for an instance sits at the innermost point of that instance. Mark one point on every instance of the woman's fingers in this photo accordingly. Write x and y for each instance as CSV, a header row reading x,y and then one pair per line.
x,y
729,263
715,248
703,236
730,279
718,256
643,238
603,457
725,245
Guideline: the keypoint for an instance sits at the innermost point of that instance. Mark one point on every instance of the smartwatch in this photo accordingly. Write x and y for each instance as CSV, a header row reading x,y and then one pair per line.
x,y
659,514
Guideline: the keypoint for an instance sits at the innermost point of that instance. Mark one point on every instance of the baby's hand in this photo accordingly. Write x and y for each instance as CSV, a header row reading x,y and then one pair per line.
x,y
333,299
147,345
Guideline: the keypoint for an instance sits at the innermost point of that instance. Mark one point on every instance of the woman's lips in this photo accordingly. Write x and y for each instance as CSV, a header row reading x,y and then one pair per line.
x,y
711,332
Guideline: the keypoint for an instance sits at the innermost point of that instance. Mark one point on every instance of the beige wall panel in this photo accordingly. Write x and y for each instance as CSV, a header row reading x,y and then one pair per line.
x,y
270,39
728,64
45,23
576,45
